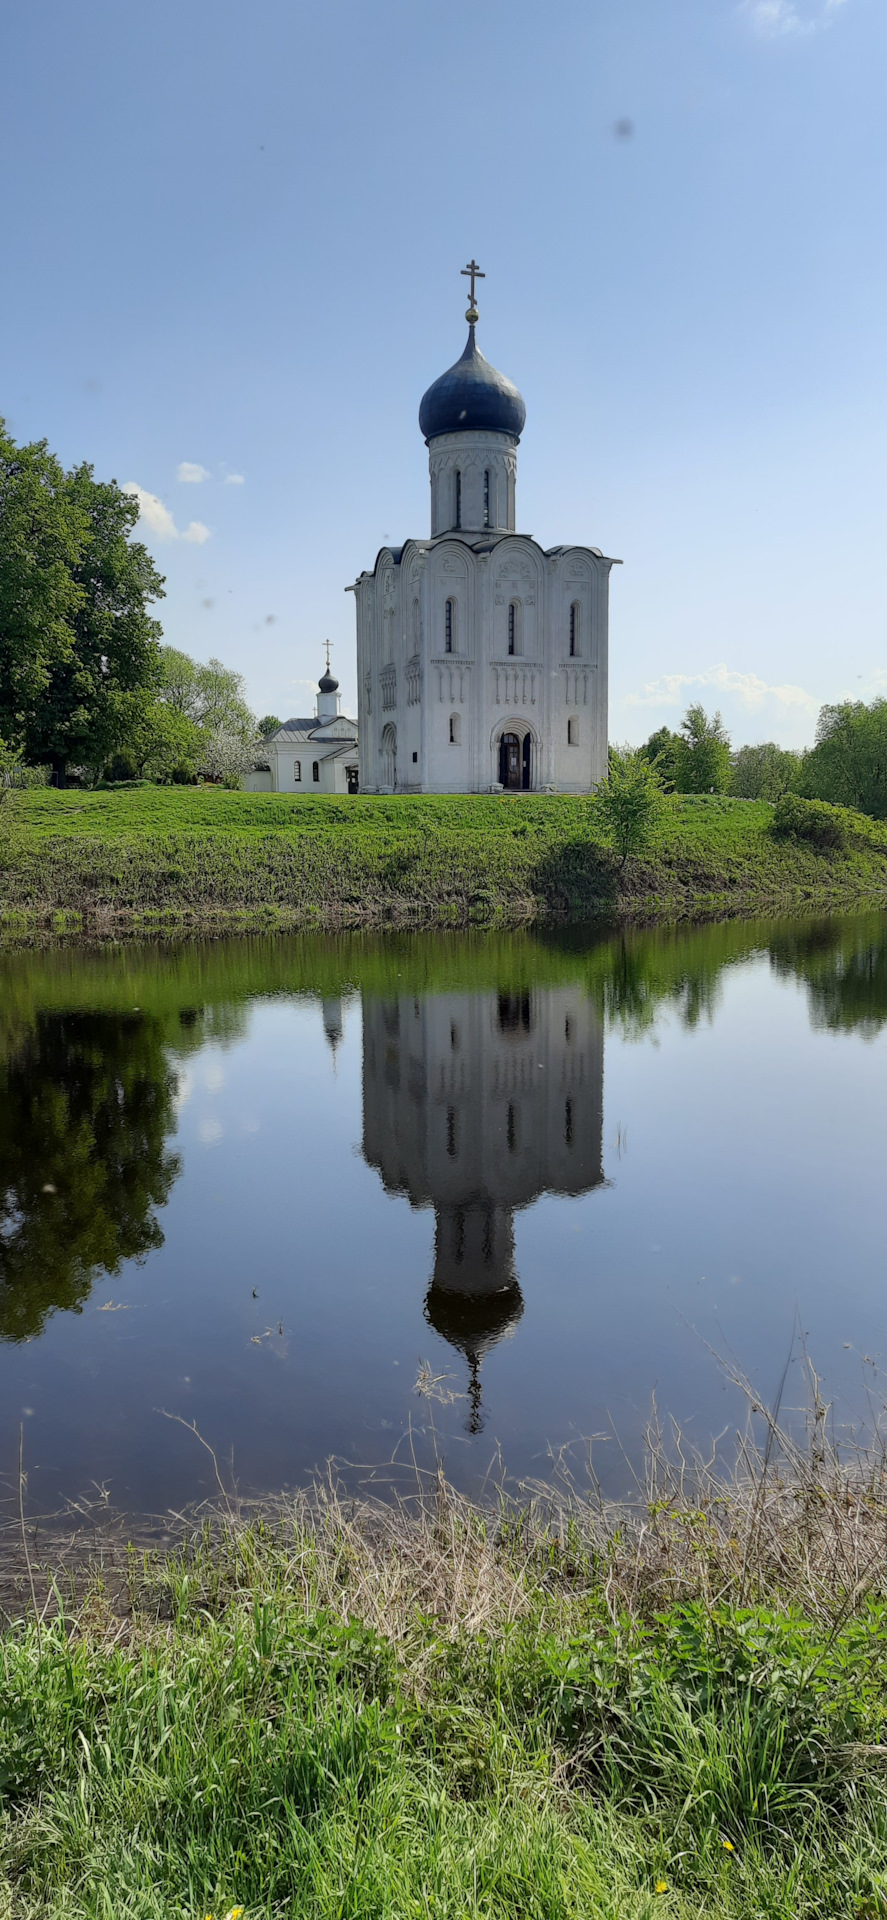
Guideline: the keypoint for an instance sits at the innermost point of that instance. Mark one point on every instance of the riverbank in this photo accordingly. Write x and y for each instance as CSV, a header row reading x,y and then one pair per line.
x,y
546,1708
159,859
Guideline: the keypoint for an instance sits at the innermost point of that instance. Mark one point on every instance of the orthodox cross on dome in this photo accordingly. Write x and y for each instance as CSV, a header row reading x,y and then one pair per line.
x,y
327,644
472,272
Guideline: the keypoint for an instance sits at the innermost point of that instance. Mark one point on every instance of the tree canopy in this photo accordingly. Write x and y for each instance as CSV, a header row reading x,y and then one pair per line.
x,y
848,764
703,757
76,638
765,772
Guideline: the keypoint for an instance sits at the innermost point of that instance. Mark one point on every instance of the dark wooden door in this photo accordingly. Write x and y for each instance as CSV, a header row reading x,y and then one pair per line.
x,y
510,760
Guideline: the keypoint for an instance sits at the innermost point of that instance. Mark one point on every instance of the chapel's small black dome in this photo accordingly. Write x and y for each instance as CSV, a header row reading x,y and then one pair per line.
x,y
328,683
472,397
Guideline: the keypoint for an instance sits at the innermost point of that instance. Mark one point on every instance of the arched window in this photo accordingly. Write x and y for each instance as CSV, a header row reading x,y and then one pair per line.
x,y
455,729
513,626
449,624
574,628
572,733
315,770
297,770
487,497
458,520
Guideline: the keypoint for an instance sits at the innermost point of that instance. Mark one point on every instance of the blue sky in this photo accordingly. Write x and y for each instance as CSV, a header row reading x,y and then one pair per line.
x,y
232,243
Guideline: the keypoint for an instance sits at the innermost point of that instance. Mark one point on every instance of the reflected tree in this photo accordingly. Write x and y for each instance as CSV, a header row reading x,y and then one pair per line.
x,y
86,1107
845,969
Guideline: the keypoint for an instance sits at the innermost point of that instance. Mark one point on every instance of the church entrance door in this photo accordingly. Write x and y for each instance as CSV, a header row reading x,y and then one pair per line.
x,y
509,761
514,762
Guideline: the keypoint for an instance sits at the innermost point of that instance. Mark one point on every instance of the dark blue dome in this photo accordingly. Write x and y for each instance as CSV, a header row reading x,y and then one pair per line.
x,y
472,397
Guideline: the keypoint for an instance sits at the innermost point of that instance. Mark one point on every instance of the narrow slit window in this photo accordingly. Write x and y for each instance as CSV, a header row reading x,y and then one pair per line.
x,y
568,1123
572,733
487,497
448,627
512,627
451,1132
511,1127
454,729
458,520
574,629
297,770
315,770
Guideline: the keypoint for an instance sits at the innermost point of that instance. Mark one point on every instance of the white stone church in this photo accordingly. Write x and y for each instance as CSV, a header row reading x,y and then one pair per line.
x,y
481,657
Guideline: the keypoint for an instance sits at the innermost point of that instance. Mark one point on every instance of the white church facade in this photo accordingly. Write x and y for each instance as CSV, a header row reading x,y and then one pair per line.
x,y
481,657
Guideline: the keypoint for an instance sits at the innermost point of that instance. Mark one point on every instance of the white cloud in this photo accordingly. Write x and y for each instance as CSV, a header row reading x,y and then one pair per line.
x,y
158,517
670,690
191,472
234,479
775,19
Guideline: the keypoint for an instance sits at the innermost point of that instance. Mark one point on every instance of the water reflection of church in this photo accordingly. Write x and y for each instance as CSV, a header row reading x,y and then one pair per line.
x,y
476,1104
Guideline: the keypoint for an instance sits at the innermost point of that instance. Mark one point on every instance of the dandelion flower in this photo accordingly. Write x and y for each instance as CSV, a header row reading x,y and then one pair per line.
x,y
728,1846
662,1886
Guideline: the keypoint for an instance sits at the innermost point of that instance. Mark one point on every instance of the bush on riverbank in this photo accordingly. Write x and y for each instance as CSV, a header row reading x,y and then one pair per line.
x,y
202,857
550,1709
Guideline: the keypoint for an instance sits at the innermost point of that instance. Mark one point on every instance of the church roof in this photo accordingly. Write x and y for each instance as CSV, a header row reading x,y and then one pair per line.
x,y
309,728
472,397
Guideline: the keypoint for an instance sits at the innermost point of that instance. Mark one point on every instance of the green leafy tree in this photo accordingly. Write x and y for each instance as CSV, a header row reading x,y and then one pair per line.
x,y
630,801
765,772
663,747
212,698
703,759
269,723
848,764
157,742
43,529
75,631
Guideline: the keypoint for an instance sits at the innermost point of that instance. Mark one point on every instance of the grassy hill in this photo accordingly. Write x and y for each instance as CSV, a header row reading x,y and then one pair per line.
x,y
144,858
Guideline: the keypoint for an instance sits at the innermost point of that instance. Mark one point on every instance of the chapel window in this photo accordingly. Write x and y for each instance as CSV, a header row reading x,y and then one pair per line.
x,y
487,497
448,626
574,628
297,770
568,1123
572,733
513,626
511,1127
315,770
451,1132
458,520
454,729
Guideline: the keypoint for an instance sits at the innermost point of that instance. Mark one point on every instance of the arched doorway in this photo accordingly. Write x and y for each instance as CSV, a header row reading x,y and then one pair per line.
x,y
389,756
514,761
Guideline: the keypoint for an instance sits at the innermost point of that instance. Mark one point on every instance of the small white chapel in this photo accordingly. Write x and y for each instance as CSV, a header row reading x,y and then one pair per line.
x,y
481,657
315,754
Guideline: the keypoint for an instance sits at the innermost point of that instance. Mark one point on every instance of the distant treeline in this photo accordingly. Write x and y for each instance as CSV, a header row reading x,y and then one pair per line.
x,y
847,766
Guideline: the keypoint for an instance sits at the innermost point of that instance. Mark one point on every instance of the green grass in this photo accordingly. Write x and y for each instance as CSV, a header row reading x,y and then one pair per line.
x,y
350,1712
161,858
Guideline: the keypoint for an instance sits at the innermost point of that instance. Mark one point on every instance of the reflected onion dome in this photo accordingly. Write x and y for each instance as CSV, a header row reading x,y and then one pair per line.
x,y
472,397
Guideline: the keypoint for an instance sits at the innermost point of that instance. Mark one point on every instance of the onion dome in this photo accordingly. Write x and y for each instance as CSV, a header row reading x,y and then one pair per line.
x,y
472,397
328,682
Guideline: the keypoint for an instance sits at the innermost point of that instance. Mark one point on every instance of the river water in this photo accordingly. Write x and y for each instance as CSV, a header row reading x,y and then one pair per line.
x,y
273,1187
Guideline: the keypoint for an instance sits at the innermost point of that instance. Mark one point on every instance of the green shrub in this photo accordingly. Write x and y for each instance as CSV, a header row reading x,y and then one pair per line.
x,y
812,820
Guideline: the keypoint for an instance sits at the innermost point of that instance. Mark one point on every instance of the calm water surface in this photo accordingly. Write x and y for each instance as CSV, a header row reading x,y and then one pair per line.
x,y
260,1184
